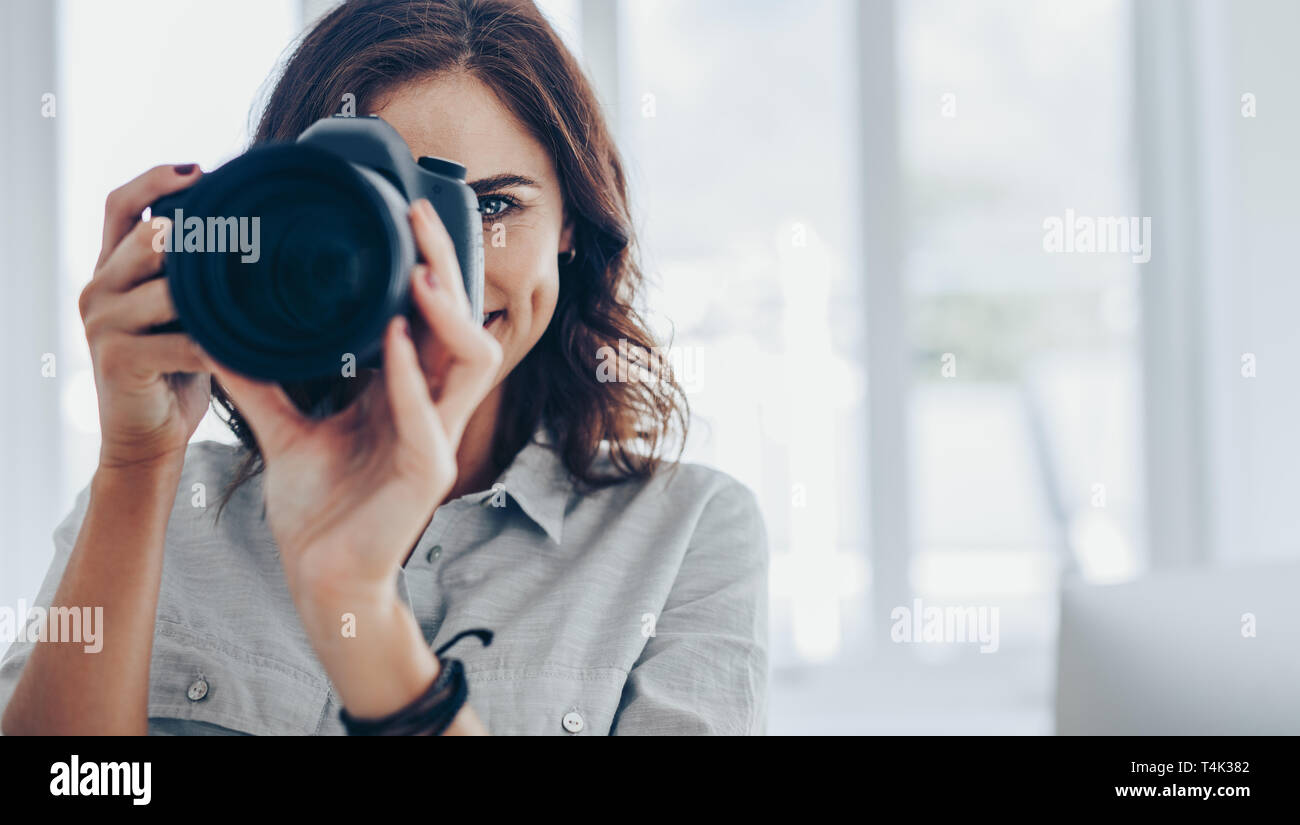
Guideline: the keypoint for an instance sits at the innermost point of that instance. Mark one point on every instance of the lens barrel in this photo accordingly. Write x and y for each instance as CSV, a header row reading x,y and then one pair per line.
x,y
288,261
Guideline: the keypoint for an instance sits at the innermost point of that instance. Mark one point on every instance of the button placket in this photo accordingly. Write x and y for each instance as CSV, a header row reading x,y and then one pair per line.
x,y
425,597
446,516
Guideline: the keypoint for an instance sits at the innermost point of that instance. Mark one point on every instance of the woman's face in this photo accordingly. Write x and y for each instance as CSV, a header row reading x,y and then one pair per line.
x,y
455,116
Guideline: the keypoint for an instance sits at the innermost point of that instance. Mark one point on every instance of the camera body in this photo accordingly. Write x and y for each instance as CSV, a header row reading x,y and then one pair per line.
x,y
287,263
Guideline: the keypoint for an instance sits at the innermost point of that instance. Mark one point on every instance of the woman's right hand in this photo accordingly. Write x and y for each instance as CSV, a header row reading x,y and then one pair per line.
x,y
152,388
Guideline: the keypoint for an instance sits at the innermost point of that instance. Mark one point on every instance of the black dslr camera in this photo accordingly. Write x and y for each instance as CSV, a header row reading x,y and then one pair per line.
x,y
293,257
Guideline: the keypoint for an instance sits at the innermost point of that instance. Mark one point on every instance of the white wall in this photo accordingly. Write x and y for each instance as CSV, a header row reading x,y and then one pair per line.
x,y
30,454
1253,220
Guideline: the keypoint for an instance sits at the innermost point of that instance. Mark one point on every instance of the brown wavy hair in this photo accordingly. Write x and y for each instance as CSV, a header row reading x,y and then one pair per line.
x,y
369,47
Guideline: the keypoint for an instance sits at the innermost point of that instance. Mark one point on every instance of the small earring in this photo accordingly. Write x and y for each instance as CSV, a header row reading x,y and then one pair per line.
x,y
566,258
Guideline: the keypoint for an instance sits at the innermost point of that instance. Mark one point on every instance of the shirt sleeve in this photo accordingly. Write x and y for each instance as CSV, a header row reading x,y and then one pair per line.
x,y
65,537
704,671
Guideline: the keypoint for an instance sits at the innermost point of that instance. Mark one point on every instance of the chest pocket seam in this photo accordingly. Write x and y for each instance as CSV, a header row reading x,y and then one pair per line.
x,y
241,690
185,633
599,673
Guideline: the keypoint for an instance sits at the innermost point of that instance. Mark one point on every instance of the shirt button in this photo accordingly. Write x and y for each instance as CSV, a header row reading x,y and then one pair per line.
x,y
197,690
573,722
435,553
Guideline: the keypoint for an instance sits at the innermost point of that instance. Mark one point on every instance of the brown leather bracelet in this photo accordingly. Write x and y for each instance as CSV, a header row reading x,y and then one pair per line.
x,y
432,712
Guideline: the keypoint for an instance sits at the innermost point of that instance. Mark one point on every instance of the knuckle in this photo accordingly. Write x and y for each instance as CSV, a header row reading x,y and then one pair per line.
x,y
94,325
114,203
195,354
87,299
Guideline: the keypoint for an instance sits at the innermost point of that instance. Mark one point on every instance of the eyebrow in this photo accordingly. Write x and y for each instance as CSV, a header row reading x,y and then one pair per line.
x,y
501,181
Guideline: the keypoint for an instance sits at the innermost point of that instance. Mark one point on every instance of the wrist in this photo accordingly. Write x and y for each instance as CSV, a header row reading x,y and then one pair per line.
x,y
133,463
373,652
323,608
137,479
319,591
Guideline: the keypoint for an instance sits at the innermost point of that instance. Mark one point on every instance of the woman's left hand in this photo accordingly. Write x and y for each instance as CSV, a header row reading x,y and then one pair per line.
x,y
348,496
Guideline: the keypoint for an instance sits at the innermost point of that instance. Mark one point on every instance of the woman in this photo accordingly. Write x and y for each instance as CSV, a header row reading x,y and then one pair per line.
x,y
487,477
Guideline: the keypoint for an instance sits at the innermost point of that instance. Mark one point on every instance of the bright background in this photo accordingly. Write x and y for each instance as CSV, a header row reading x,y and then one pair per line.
x,y
835,198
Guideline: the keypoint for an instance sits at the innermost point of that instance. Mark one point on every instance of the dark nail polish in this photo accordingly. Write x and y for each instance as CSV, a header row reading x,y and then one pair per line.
x,y
184,168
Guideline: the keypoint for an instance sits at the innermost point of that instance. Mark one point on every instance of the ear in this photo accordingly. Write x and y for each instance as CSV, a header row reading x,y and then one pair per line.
x,y
566,232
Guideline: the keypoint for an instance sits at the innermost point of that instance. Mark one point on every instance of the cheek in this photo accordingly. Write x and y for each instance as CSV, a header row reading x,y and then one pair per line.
x,y
525,278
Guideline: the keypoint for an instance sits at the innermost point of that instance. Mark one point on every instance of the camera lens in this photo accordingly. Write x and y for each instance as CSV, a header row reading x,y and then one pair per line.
x,y
321,264
318,267
329,268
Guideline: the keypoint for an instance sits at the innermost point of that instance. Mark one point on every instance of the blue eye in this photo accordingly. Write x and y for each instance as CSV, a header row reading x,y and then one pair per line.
x,y
494,206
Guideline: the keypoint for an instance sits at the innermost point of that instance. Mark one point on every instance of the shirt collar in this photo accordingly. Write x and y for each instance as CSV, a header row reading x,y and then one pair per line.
x,y
539,483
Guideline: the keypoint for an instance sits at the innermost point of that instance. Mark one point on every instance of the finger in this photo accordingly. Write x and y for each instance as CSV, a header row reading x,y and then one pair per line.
x,y
147,355
468,356
123,206
138,257
414,416
148,305
264,405
439,252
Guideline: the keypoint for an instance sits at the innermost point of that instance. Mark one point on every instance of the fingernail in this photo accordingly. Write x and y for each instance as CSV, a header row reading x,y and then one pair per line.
x,y
184,168
404,325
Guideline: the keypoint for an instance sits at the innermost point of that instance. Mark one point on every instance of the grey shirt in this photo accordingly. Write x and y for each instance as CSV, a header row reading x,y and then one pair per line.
x,y
636,609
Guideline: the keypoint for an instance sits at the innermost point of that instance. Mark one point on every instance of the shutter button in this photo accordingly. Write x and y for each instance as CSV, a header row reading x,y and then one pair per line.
x,y
435,553
573,722
197,690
